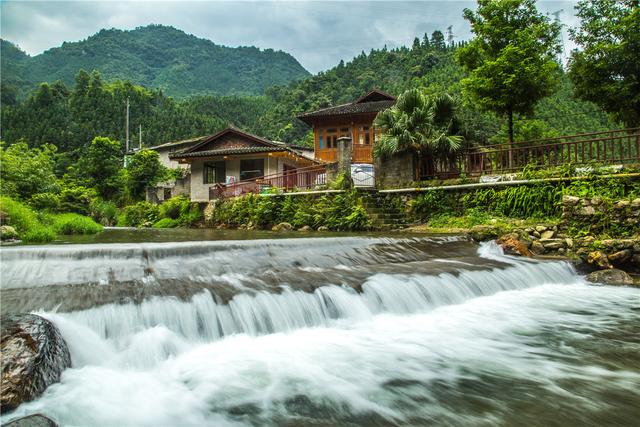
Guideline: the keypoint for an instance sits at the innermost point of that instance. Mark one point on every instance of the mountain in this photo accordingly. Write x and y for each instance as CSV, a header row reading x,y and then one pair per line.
x,y
158,57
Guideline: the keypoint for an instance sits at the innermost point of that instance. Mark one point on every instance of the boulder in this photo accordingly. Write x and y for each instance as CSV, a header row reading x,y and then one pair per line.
x,y
551,244
537,248
34,354
305,228
512,246
569,242
599,259
622,204
612,276
541,228
620,257
482,233
570,200
323,228
35,420
283,226
547,234
587,211
7,232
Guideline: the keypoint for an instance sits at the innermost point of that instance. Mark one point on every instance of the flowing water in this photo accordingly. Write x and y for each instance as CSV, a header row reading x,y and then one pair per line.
x,y
348,331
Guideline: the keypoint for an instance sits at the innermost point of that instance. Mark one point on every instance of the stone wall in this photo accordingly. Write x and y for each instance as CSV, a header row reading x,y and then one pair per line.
x,y
596,215
395,171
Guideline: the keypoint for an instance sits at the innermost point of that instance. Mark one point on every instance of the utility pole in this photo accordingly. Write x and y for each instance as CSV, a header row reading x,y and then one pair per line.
x,y
556,14
140,137
126,135
450,35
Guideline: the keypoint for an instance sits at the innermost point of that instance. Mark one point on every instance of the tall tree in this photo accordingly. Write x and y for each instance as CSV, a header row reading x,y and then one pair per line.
x,y
511,59
607,69
102,164
144,170
426,125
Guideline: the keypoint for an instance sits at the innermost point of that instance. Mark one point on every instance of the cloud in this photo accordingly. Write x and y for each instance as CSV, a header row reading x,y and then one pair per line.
x,y
318,33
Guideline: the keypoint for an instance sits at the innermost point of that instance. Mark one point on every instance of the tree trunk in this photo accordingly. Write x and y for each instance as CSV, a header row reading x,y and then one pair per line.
x,y
510,115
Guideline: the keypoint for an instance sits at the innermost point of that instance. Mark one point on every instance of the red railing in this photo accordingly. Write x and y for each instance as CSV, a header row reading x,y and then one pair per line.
x,y
308,178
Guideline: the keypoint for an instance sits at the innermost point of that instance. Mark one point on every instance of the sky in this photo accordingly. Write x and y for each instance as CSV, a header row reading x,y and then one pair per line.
x,y
317,33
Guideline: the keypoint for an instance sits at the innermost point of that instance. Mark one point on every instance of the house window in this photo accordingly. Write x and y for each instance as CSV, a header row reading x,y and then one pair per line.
x,y
364,138
344,132
332,137
253,168
321,142
214,172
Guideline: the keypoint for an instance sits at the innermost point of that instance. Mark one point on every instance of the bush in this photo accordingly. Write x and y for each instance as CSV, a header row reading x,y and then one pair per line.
x,y
166,223
139,215
25,221
71,223
103,212
77,198
45,201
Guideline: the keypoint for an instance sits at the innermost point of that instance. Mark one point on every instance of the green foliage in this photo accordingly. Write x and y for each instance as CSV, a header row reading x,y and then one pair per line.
x,y
433,203
521,201
104,212
45,202
605,69
511,59
138,215
421,123
71,223
143,170
167,223
102,164
27,171
76,198
157,56
342,211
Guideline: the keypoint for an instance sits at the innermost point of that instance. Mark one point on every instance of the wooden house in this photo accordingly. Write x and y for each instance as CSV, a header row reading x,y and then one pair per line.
x,y
354,120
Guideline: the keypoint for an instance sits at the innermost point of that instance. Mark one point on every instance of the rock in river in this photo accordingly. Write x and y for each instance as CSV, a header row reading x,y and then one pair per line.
x,y
36,420
34,354
610,276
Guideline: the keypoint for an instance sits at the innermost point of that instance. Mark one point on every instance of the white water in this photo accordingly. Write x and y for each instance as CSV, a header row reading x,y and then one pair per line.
x,y
525,344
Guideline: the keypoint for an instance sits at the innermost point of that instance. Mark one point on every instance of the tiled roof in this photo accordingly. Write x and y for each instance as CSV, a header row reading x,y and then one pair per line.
x,y
372,102
228,151
191,141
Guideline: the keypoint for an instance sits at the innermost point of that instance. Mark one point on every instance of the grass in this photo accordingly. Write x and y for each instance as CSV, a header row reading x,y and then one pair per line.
x,y
43,227
167,223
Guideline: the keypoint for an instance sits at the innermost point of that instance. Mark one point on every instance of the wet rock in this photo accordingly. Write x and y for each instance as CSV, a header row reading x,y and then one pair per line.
x,y
7,232
611,276
620,257
323,228
482,233
547,234
35,420
305,228
570,200
599,259
283,226
551,244
537,248
513,246
34,354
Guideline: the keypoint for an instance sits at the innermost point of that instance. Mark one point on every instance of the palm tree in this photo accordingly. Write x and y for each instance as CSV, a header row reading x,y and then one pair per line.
x,y
426,125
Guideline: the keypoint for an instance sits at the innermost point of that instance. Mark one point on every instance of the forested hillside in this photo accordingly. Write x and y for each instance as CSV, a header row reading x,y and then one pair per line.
x,y
157,57
70,116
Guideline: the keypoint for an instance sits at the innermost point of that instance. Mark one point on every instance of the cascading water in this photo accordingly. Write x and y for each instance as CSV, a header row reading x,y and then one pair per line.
x,y
327,331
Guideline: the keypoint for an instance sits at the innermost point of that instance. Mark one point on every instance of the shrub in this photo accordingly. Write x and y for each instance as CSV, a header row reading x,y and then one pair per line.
x,y
166,223
45,201
180,209
71,223
25,221
139,215
76,198
103,212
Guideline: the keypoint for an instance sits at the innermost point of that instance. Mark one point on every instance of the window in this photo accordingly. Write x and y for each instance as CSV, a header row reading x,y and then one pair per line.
x,y
364,137
332,136
214,172
252,168
320,142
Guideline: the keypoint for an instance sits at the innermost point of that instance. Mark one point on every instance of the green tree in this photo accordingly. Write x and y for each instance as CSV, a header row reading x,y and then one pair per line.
x,y
424,124
511,59
102,165
607,69
144,170
27,171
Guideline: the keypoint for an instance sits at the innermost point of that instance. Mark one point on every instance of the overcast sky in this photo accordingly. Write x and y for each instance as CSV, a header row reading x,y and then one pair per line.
x,y
317,33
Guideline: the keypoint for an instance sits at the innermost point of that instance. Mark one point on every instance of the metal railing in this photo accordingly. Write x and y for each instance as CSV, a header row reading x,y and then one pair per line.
x,y
299,179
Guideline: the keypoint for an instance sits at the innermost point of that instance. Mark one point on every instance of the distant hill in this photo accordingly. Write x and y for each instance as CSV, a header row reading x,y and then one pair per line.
x,y
158,57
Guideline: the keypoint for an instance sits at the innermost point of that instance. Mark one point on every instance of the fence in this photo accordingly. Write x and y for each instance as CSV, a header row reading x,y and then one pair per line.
x,y
619,146
302,179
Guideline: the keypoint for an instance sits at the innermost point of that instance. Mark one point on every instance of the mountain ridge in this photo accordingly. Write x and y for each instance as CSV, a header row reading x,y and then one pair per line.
x,y
158,56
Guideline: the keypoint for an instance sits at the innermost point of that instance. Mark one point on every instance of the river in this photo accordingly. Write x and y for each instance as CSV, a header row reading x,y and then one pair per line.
x,y
324,330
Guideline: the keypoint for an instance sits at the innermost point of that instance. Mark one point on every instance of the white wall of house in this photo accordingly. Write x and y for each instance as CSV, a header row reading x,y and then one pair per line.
x,y
200,191
164,159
